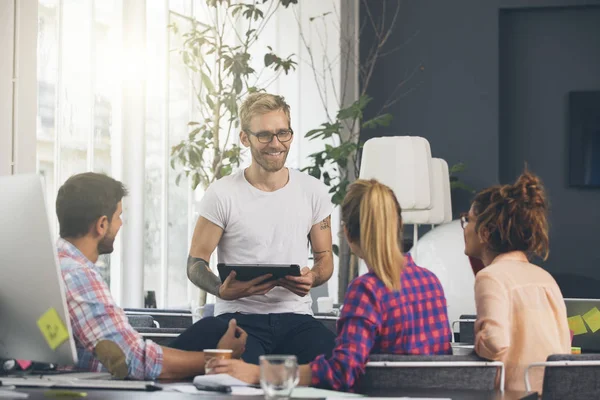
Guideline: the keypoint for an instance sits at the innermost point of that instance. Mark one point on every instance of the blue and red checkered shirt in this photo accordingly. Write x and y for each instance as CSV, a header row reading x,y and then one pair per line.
x,y
377,320
95,316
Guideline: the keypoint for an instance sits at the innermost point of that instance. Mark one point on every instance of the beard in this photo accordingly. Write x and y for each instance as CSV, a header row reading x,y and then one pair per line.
x,y
106,245
268,163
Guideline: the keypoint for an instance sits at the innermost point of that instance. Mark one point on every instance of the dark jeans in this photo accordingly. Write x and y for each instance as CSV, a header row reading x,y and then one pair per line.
x,y
297,334
204,334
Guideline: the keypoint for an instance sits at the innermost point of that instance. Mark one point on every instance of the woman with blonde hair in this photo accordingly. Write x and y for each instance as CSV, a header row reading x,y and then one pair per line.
x,y
521,313
395,308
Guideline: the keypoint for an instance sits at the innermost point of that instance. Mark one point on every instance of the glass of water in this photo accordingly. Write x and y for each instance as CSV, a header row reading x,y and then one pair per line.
x,y
278,376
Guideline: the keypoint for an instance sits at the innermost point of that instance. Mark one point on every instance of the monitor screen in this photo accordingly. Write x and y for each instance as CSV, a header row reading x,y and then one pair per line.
x,y
584,139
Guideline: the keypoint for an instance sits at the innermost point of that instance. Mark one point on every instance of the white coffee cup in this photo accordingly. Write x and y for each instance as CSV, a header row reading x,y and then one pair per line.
x,y
324,305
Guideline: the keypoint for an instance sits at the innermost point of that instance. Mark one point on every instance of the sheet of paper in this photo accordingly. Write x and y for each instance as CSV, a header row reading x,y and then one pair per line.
x,y
189,388
592,319
9,394
53,328
219,379
246,391
313,393
577,325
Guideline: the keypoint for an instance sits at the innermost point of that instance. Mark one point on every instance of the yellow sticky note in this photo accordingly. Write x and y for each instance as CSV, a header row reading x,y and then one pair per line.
x,y
576,325
592,319
53,328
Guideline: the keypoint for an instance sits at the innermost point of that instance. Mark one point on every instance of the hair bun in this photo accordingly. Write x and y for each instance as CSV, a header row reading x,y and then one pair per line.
x,y
529,189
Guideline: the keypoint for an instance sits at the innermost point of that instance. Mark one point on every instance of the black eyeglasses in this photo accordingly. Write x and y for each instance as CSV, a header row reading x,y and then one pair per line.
x,y
464,220
266,137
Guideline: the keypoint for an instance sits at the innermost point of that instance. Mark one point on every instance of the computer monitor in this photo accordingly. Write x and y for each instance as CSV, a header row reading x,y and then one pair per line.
x,y
31,284
582,313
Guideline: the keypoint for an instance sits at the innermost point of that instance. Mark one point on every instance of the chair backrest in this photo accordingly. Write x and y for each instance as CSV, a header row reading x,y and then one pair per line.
x,y
441,203
385,373
572,376
165,318
161,336
404,164
330,322
141,321
466,328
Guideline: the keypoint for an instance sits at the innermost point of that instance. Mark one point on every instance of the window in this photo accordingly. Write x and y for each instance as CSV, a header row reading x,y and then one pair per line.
x,y
80,110
78,95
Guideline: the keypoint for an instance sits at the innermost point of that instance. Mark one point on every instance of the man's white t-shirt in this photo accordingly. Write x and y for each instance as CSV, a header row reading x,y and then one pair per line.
x,y
266,228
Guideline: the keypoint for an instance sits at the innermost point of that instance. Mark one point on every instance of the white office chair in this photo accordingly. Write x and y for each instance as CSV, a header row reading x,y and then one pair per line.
x,y
421,183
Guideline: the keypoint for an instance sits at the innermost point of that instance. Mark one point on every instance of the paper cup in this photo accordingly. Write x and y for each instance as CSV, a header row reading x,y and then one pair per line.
x,y
215,354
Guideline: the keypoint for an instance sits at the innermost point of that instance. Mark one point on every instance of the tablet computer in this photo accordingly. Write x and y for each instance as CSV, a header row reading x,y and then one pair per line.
x,y
246,272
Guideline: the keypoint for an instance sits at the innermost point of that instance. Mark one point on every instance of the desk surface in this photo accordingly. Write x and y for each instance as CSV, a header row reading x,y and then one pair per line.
x,y
38,394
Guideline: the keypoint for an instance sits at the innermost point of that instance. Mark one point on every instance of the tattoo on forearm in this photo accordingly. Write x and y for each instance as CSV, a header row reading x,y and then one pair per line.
x,y
200,274
326,223
321,257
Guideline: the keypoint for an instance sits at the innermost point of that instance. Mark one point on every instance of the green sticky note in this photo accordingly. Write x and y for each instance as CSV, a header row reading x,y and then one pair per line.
x,y
592,319
577,325
52,328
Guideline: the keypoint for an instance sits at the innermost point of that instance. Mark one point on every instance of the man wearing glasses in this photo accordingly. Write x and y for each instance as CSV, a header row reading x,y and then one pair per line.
x,y
264,215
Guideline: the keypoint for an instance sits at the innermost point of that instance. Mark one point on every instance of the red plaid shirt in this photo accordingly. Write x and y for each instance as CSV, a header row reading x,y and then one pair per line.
x,y
377,320
95,316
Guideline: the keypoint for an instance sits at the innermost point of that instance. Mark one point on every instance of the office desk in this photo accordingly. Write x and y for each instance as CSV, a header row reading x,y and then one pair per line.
x,y
39,394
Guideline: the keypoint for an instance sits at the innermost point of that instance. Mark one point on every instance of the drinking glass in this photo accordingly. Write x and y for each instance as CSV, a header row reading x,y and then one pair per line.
x,y
278,376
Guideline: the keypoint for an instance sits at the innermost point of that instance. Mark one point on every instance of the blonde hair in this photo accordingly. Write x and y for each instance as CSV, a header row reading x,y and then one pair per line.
x,y
372,216
261,103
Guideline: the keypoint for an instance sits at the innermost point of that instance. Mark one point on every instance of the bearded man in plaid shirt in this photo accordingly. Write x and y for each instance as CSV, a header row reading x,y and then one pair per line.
x,y
89,210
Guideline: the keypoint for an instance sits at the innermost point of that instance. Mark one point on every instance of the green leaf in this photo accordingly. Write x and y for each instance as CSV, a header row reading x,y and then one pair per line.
x,y
315,171
193,123
458,167
381,120
177,179
337,199
237,85
193,133
225,170
326,178
269,59
174,28
207,82
286,3
210,103
236,9
195,180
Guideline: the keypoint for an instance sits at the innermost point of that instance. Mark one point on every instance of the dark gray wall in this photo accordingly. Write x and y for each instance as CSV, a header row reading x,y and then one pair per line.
x,y
544,54
548,48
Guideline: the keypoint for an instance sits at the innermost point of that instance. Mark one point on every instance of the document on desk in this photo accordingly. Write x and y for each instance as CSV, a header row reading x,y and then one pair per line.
x,y
191,389
219,379
11,394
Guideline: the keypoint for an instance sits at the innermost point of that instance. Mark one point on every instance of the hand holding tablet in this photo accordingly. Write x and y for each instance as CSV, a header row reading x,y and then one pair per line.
x,y
299,285
243,280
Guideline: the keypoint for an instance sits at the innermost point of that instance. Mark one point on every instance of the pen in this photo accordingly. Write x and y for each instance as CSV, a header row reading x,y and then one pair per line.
x,y
213,388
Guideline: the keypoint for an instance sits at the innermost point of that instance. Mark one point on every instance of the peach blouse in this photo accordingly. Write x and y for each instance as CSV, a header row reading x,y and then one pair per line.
x,y
521,318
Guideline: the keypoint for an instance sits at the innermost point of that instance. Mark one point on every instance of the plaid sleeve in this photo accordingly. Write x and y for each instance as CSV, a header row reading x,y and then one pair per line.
x,y
358,327
95,316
